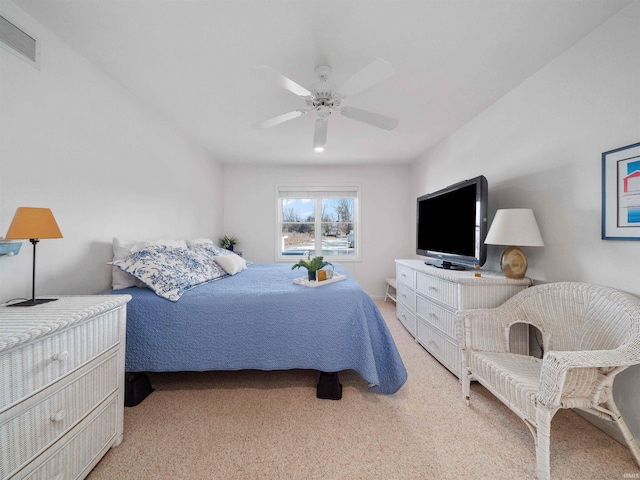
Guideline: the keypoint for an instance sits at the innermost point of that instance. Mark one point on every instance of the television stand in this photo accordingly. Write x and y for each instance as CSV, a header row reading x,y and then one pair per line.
x,y
430,298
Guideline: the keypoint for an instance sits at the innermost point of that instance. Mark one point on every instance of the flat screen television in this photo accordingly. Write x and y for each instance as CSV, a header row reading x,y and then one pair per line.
x,y
452,224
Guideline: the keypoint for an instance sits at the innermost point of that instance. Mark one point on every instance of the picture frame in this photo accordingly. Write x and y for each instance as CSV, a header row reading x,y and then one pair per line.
x,y
621,193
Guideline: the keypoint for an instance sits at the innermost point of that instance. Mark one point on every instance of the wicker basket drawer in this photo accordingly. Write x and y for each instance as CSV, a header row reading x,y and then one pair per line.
x,y
27,369
438,289
407,318
38,422
406,296
439,345
78,455
439,317
406,275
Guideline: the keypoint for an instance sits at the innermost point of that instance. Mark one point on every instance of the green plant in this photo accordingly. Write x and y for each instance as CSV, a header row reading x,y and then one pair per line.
x,y
312,264
226,242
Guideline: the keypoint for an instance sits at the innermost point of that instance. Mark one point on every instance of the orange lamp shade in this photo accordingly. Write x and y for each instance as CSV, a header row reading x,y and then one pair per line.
x,y
34,223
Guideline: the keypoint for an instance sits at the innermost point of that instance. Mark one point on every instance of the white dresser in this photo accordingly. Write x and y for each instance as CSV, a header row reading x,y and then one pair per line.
x,y
428,299
61,385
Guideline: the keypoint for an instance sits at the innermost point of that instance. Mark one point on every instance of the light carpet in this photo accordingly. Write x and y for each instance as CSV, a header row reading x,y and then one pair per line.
x,y
270,425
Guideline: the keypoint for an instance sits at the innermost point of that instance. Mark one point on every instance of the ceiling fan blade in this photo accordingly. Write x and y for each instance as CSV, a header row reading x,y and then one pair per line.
x,y
320,133
279,119
284,82
373,73
371,118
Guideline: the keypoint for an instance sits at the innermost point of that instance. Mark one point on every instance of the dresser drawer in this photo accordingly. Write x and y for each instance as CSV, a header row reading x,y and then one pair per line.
x,y
439,317
406,296
37,423
405,275
440,290
81,448
29,368
407,318
439,345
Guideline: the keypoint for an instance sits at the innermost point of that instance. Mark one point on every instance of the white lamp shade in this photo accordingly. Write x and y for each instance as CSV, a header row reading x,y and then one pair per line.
x,y
516,227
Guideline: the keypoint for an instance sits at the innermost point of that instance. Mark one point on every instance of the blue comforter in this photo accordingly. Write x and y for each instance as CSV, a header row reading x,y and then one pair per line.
x,y
259,319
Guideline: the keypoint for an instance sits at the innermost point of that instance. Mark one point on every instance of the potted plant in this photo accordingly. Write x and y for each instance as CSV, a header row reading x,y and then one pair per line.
x,y
312,265
228,242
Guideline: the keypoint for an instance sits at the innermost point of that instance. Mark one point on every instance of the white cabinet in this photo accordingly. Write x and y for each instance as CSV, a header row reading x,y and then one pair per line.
x,y
61,385
429,299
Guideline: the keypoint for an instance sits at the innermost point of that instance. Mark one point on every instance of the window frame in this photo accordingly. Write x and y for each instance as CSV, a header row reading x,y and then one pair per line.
x,y
318,189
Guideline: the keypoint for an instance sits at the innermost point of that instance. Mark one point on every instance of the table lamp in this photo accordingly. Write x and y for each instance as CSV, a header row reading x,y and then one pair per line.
x,y
33,224
516,227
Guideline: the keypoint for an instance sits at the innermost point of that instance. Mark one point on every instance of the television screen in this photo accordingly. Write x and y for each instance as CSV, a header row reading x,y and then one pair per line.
x,y
452,224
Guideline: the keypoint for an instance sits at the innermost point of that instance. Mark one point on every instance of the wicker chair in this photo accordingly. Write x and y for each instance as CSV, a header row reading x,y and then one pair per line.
x,y
589,335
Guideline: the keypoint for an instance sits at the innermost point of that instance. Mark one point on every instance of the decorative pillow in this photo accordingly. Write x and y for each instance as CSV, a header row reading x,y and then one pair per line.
x,y
215,250
231,264
170,271
124,248
198,241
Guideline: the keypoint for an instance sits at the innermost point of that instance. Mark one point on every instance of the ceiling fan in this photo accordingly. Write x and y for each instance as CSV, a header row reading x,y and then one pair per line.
x,y
323,97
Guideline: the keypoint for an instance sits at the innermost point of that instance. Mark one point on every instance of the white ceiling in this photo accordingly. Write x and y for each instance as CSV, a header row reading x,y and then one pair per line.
x,y
193,62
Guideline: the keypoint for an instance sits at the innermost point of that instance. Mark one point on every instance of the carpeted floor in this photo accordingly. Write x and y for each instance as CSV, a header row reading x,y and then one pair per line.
x,y
270,425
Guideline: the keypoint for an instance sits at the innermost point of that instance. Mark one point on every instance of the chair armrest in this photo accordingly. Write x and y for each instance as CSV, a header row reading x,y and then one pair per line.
x,y
485,329
619,357
557,364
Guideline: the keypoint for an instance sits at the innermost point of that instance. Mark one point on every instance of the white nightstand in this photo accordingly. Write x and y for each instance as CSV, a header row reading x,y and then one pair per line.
x,y
62,394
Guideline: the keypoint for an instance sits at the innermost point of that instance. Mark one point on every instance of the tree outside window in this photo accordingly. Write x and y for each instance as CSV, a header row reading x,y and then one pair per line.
x,y
333,217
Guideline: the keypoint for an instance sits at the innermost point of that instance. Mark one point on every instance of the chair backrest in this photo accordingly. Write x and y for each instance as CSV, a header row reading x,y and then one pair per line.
x,y
580,316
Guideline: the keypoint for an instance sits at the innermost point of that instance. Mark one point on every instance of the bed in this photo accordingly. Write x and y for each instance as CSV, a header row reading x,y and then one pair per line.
x,y
259,319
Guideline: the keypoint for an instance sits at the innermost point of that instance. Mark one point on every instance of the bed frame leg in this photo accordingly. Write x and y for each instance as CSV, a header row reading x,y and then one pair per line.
x,y
329,386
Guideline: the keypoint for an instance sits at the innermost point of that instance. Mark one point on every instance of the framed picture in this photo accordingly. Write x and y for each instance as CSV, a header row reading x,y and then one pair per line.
x,y
621,193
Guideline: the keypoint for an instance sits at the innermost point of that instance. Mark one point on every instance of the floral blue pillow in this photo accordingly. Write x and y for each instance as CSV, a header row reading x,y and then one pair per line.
x,y
171,271
213,249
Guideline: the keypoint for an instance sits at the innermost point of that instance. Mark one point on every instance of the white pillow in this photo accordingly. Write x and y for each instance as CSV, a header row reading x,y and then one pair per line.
x,y
231,263
198,241
124,248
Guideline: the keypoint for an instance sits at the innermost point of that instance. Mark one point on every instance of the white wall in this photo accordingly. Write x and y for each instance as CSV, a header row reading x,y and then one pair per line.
x,y
250,213
540,147
73,140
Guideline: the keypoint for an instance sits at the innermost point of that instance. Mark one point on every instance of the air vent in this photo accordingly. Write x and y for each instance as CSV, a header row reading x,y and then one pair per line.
x,y
18,42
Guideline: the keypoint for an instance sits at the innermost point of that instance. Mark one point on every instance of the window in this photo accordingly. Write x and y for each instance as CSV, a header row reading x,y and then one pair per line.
x,y
319,221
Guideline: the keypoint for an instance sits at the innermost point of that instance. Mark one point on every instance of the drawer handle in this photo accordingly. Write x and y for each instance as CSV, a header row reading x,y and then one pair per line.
x,y
61,356
58,416
431,287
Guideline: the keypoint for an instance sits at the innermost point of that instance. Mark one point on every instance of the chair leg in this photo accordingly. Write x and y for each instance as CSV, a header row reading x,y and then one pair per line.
x,y
543,428
622,425
465,380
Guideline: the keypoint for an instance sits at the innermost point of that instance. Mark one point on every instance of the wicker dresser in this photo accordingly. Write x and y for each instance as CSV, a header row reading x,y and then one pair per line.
x,y
428,299
61,385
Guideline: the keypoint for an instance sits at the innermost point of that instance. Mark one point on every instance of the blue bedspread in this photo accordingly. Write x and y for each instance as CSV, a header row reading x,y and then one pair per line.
x,y
259,319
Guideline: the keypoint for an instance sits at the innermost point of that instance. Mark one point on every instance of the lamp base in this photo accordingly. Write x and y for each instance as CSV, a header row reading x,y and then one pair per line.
x,y
32,302
513,263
